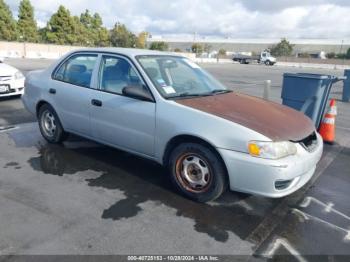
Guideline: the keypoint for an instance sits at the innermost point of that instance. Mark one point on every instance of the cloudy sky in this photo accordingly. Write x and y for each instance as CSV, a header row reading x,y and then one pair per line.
x,y
222,18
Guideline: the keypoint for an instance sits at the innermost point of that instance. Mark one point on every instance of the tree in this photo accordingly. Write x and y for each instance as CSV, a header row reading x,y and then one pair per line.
x,y
222,52
42,35
61,29
348,54
26,24
197,48
89,37
141,40
122,37
82,36
8,30
161,46
103,37
102,34
283,48
207,48
95,33
331,55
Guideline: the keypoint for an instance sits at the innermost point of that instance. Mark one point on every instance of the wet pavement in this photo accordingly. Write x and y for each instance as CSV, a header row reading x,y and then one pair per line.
x,y
85,198
95,194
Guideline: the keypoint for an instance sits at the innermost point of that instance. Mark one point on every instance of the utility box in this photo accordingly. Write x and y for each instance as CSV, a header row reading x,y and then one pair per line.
x,y
346,86
308,93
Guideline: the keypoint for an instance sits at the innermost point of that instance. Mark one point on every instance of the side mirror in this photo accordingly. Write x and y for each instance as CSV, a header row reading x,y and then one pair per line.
x,y
138,93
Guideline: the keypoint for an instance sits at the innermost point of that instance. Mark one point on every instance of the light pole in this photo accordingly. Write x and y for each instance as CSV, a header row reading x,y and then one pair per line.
x,y
24,46
341,50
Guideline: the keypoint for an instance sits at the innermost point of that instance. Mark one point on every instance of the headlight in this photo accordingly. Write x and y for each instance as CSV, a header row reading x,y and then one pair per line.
x,y
271,150
19,75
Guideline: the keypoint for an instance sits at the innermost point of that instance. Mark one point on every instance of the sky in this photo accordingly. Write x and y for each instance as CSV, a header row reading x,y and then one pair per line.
x,y
213,18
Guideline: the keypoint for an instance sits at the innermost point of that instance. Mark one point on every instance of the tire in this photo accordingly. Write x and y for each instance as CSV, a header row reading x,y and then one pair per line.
x,y
267,63
50,126
199,160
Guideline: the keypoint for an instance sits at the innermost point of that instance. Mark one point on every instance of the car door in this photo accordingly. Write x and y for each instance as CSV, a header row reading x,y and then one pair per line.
x,y
71,92
119,120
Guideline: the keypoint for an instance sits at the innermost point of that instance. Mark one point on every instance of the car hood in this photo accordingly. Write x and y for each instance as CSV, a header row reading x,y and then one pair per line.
x,y
278,122
7,70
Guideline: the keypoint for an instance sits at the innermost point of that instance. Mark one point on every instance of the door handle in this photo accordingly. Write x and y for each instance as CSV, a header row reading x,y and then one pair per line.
x,y
96,102
52,91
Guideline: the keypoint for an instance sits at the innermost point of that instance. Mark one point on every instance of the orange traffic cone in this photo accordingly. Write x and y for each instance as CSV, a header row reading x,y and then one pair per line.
x,y
327,128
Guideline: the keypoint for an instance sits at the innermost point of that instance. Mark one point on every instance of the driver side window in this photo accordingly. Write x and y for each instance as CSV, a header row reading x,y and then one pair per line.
x,y
117,73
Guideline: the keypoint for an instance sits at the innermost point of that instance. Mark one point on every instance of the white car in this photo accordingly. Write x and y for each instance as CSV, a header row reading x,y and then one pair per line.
x,y
11,80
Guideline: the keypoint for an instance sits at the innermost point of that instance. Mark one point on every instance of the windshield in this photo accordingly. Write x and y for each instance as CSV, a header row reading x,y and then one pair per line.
x,y
179,77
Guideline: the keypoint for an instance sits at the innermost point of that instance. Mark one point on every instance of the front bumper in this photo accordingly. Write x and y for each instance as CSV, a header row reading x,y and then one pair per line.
x,y
13,87
271,178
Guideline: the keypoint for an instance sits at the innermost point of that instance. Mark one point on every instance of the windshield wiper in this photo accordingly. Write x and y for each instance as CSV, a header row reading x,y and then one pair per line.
x,y
220,91
213,92
188,94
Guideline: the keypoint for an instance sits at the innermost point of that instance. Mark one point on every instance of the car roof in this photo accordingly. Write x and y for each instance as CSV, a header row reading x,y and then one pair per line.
x,y
132,52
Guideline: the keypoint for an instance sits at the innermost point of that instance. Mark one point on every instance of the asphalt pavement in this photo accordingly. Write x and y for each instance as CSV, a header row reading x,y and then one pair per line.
x,y
86,198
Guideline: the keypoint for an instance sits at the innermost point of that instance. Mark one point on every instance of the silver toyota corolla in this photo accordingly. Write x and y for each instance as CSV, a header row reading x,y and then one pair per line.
x,y
164,107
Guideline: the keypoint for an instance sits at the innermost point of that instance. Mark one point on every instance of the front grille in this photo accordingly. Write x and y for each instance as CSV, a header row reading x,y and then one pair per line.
x,y
309,142
282,184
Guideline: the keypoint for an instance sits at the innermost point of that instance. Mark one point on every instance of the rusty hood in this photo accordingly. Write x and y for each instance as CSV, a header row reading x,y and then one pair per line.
x,y
278,122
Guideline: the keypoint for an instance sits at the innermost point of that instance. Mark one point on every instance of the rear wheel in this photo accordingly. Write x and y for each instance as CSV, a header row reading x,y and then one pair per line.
x,y
197,172
50,125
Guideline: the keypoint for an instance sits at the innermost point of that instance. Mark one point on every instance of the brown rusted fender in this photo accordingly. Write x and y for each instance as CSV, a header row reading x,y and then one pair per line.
x,y
278,122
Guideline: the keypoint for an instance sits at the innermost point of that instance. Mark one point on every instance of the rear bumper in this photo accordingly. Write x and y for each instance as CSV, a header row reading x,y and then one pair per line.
x,y
29,104
271,178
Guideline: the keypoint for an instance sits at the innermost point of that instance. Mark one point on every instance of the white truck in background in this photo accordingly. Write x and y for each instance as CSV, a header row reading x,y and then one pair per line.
x,y
264,58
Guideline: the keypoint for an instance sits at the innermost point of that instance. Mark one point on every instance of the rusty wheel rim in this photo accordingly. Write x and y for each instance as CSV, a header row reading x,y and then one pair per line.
x,y
193,173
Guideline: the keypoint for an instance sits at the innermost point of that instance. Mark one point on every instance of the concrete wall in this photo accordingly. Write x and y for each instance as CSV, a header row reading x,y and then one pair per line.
x,y
30,50
257,45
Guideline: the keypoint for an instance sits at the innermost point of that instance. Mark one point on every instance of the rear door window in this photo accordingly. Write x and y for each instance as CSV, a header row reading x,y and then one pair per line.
x,y
77,70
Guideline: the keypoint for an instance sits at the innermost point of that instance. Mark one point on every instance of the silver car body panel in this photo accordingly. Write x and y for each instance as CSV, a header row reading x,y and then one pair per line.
x,y
145,128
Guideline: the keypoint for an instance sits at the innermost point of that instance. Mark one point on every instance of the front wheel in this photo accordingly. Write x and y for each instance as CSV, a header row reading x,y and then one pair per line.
x,y
50,126
197,172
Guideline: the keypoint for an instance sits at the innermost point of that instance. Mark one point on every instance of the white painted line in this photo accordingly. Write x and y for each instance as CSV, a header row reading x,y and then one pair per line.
x,y
300,214
327,207
4,129
308,217
281,242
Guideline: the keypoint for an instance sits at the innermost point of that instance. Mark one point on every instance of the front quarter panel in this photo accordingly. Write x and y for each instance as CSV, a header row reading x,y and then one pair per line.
x,y
174,120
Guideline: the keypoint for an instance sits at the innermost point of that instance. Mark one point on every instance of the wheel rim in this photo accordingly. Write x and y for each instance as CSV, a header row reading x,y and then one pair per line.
x,y
193,173
48,123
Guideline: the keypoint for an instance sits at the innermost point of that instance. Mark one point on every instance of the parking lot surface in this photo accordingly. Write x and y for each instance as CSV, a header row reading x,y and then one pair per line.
x,y
86,198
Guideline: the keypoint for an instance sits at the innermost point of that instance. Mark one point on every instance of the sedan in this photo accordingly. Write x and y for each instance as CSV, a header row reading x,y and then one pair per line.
x,y
11,80
164,107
